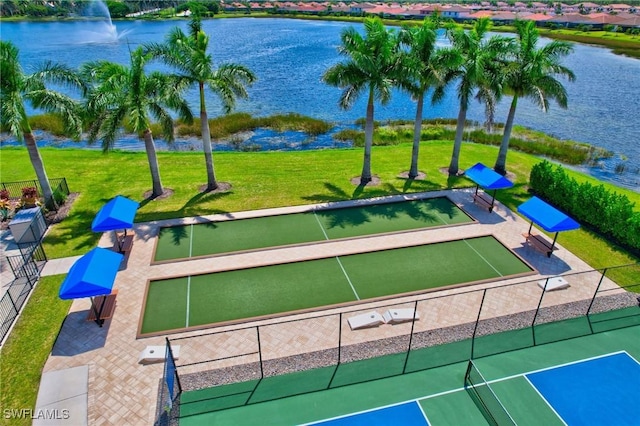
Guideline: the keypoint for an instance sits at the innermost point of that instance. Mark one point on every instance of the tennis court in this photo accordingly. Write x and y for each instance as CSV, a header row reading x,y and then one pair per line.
x,y
201,300
587,380
216,237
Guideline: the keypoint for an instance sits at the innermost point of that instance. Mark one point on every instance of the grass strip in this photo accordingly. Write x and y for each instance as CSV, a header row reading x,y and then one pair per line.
x,y
26,350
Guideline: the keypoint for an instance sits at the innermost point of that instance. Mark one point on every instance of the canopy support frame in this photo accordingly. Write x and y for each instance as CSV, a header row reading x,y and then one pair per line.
x,y
98,313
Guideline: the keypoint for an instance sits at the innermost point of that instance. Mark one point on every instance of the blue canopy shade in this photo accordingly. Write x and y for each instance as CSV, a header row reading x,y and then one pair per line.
x,y
547,216
487,178
116,214
91,275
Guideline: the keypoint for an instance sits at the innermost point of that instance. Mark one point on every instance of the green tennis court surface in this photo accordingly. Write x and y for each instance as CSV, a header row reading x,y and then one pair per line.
x,y
205,239
574,370
193,301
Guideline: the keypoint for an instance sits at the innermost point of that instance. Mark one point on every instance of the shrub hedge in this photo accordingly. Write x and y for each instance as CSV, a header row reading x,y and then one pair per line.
x,y
607,212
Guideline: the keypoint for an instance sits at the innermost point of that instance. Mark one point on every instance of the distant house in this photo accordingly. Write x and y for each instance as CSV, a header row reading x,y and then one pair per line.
x,y
619,8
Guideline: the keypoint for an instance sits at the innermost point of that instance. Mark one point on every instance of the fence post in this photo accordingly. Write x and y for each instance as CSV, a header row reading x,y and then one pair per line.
x,y
535,315
413,324
335,370
475,328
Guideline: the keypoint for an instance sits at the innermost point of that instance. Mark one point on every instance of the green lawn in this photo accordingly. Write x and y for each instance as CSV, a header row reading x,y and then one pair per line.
x,y
267,179
260,180
27,348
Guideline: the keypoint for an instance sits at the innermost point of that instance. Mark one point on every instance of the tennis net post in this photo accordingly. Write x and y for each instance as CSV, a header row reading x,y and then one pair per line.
x,y
485,398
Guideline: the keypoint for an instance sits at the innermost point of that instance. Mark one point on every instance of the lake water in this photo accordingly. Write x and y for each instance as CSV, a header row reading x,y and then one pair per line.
x,y
289,57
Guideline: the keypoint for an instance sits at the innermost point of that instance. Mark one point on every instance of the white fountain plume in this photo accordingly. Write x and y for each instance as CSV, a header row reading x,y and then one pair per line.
x,y
103,30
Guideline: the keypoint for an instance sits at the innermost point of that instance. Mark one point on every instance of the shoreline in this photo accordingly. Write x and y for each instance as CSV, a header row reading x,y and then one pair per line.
x,y
629,48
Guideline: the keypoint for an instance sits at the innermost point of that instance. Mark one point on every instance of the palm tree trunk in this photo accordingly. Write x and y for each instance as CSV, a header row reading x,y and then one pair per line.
x,y
417,132
501,162
38,167
150,147
457,143
365,177
206,143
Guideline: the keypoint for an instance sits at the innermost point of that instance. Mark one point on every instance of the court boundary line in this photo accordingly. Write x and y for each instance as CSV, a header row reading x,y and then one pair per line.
x,y
450,391
482,257
562,365
348,279
545,400
326,237
370,410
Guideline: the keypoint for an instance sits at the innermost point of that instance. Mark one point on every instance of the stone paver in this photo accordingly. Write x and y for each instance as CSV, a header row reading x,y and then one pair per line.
x,y
123,392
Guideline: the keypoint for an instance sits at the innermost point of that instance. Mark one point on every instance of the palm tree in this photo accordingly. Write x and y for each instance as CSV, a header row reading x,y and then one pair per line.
x,y
477,70
188,54
425,68
531,74
373,67
16,87
126,94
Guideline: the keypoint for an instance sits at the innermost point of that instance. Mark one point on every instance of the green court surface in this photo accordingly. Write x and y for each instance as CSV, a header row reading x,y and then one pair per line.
x,y
211,238
375,383
199,300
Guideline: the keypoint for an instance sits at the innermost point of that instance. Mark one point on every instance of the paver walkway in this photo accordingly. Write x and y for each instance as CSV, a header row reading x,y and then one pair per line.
x,y
121,391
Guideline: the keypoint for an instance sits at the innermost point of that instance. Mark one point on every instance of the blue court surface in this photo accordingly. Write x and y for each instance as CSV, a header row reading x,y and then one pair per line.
x,y
407,414
598,391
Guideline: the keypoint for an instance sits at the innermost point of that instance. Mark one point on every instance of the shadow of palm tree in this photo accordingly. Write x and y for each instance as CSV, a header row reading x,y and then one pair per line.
x,y
419,185
335,194
418,210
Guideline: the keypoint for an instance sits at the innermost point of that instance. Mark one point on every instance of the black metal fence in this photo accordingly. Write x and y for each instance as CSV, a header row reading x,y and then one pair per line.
x,y
169,392
58,186
449,326
26,268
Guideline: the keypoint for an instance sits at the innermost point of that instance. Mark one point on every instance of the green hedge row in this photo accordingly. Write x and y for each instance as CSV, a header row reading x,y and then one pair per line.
x,y
609,213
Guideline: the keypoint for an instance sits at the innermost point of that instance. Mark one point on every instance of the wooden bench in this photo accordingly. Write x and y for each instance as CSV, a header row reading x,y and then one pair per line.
x,y
539,243
125,242
483,201
107,310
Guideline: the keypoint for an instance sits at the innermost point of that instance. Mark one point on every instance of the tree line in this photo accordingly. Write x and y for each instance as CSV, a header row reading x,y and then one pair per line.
x,y
480,67
376,63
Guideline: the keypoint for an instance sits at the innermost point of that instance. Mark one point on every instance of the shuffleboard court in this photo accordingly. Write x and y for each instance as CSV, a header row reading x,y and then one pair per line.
x,y
202,300
211,238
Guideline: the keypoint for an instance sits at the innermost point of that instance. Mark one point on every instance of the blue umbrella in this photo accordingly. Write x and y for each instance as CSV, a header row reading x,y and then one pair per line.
x,y
488,179
92,275
118,213
547,217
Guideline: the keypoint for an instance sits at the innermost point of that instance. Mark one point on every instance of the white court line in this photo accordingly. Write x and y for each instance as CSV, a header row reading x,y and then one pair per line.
x,y
348,279
188,297
191,241
482,257
435,395
545,400
326,237
557,366
362,412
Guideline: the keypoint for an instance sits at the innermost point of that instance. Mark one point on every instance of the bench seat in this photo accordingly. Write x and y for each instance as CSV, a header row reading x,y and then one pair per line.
x,y
107,310
539,243
483,201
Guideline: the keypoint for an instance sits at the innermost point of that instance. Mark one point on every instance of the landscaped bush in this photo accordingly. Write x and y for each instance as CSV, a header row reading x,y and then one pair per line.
x,y
609,213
